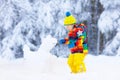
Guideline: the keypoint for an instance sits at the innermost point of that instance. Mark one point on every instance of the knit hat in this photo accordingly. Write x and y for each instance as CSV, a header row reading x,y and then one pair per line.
x,y
69,19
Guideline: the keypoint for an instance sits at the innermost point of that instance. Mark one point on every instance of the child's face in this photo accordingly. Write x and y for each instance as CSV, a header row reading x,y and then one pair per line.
x,y
69,27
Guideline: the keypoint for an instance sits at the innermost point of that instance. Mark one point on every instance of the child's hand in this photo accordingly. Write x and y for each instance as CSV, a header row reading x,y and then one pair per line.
x,y
62,41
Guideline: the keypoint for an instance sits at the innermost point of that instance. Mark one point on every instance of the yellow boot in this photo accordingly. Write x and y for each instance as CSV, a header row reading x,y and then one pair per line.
x,y
72,63
75,62
79,62
82,67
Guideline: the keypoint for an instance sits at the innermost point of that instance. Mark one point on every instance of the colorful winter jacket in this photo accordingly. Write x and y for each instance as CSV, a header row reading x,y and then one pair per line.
x,y
76,40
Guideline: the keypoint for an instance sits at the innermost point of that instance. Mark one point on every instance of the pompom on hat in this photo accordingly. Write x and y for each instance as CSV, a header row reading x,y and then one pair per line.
x,y
69,19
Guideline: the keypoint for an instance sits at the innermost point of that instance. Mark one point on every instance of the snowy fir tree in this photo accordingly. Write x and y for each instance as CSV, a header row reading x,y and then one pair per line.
x,y
109,25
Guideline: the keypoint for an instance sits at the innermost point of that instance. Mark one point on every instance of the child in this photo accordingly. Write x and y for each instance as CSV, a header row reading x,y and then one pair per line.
x,y
76,43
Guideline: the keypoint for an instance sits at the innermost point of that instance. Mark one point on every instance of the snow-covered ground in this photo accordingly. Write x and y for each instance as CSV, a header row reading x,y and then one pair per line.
x,y
41,65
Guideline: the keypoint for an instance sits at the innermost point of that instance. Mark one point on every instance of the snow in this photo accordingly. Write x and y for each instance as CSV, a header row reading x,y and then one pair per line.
x,y
109,25
98,68
27,21
108,21
110,3
42,65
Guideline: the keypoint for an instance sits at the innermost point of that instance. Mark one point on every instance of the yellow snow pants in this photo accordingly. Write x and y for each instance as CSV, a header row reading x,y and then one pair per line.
x,y
76,62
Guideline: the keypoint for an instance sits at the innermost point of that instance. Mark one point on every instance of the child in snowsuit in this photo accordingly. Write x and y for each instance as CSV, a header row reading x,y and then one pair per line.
x,y
76,43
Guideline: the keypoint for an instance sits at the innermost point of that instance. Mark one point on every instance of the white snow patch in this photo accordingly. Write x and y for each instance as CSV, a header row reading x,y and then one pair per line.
x,y
41,65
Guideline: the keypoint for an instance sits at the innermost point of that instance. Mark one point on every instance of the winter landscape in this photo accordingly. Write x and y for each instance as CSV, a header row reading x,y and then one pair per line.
x,y
30,31
97,69
41,65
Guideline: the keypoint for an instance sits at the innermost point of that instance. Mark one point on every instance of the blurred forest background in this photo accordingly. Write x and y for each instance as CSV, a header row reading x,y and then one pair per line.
x,y
29,21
